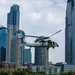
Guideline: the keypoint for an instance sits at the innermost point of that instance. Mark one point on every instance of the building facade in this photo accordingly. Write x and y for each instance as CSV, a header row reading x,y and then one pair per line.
x,y
17,47
41,56
49,70
2,45
66,67
13,25
70,33
26,56
8,43
13,17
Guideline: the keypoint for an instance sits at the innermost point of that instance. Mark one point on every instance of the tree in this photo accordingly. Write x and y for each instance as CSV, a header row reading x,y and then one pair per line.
x,y
4,72
64,73
55,74
18,72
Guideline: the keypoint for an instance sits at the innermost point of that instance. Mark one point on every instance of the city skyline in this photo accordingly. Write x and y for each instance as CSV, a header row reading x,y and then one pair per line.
x,y
40,20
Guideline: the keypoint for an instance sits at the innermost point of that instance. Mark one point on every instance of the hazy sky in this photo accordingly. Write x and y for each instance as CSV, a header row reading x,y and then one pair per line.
x,y
40,17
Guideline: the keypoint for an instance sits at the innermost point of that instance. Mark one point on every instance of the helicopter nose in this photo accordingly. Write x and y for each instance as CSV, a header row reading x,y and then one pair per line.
x,y
57,45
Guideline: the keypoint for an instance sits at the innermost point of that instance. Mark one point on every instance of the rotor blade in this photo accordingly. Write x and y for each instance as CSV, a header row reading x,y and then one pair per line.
x,y
2,27
42,37
55,33
46,37
31,36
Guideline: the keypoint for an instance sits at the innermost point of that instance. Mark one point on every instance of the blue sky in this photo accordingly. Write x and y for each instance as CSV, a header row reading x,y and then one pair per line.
x,y
40,17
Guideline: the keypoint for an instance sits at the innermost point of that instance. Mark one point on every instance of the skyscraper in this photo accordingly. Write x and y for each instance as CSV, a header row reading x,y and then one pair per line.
x,y
13,17
2,45
13,24
17,47
70,33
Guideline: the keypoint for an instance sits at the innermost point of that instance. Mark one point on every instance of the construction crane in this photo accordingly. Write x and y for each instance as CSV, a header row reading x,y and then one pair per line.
x,y
44,43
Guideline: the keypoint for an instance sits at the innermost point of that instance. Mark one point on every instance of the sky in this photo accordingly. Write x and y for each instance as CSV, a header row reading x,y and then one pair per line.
x,y
40,17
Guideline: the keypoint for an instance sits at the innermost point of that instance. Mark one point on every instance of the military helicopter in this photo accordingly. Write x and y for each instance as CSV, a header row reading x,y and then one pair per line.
x,y
42,41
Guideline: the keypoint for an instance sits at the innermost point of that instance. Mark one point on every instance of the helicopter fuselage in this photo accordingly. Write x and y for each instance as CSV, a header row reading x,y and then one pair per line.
x,y
40,44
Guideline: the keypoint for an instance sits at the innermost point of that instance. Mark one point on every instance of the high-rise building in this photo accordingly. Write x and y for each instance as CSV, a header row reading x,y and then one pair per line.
x,y
41,56
70,33
17,47
2,45
13,17
8,43
26,56
13,25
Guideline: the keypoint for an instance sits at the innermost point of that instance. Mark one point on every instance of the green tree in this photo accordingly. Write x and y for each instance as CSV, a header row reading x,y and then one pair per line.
x,y
64,73
4,72
55,74
70,73
18,72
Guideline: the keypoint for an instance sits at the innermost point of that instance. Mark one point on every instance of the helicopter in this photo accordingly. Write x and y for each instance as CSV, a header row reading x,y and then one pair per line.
x,y
42,41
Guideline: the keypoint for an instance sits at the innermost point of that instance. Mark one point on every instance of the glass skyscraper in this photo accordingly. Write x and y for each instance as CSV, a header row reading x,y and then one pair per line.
x,y
26,56
2,45
13,17
13,24
70,33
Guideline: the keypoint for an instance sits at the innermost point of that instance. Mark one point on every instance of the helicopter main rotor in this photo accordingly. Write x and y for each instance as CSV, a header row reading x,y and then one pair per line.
x,y
42,41
43,37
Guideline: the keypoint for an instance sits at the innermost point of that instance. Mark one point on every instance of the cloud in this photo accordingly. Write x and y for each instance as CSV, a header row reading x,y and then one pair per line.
x,y
34,16
53,18
3,2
